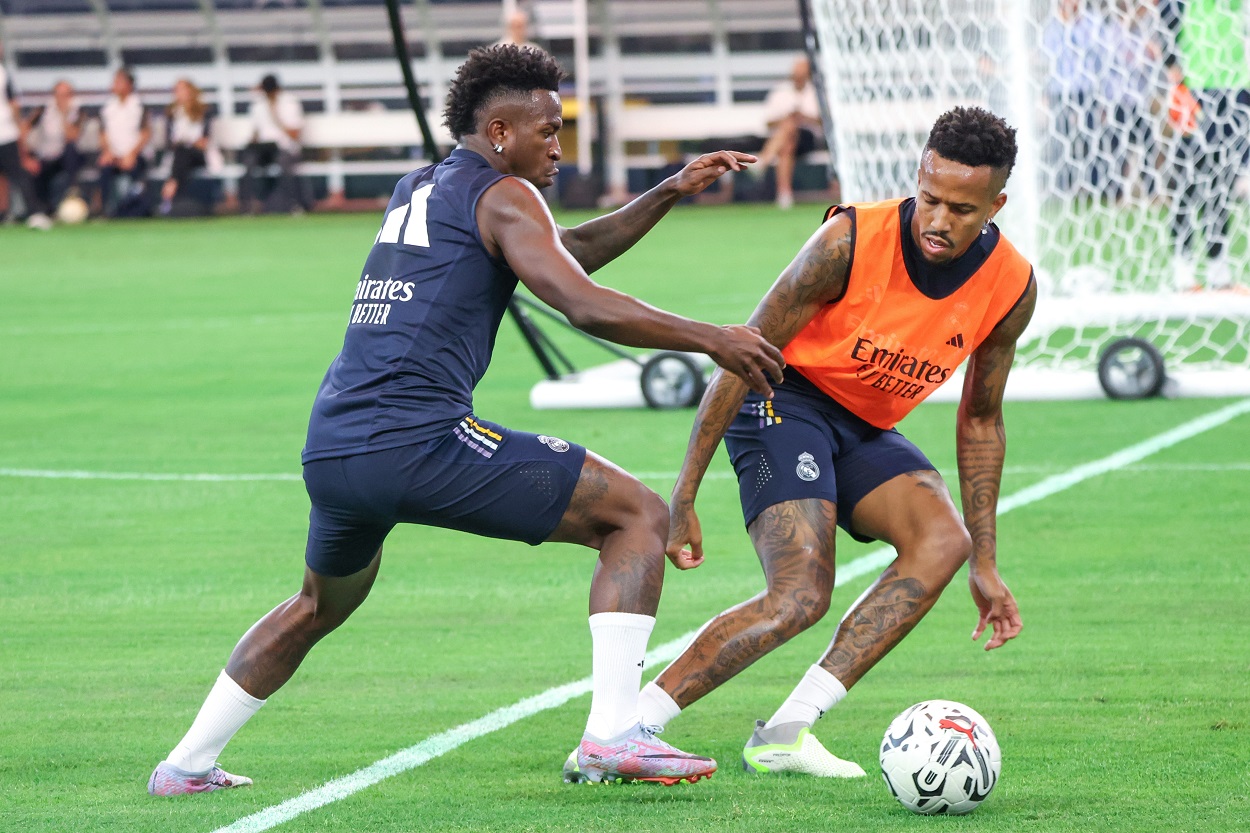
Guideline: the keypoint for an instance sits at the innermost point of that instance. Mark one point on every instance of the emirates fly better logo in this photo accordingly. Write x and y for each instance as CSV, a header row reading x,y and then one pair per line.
x,y
895,371
371,290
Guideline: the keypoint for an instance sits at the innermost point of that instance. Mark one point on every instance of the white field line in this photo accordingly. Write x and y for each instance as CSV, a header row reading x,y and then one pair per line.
x,y
173,324
668,476
71,474
444,742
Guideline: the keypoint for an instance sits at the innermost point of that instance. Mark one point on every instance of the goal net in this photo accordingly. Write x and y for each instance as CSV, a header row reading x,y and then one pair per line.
x,y
1131,186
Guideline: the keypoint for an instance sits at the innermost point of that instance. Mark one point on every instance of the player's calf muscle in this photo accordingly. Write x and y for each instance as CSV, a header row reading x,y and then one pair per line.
x,y
877,623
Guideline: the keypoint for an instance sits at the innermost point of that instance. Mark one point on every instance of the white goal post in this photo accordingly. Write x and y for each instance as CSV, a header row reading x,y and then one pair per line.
x,y
1129,198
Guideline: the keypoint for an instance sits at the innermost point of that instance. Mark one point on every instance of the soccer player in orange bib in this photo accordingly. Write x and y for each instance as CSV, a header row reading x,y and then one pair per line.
x,y
878,309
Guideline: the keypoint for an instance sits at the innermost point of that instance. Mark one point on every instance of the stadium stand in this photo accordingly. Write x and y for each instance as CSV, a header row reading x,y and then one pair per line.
x,y
666,77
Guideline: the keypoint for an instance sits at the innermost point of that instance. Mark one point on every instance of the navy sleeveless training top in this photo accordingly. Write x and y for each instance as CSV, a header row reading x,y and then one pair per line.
x,y
423,323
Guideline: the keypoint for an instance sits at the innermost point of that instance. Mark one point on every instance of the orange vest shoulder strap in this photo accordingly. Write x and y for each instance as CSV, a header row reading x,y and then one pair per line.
x,y
834,210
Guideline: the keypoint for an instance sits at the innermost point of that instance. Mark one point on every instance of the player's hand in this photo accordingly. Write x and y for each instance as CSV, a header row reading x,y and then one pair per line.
x,y
745,353
708,168
997,608
683,529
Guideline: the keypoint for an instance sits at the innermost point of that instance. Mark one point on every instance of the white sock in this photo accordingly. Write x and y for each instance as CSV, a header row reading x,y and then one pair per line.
x,y
818,692
619,648
224,712
655,706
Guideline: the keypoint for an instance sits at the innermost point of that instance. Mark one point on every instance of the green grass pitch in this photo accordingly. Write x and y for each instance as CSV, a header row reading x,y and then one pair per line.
x,y
171,348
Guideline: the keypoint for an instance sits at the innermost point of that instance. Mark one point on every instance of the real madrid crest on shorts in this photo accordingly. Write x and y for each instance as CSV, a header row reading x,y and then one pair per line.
x,y
554,443
807,468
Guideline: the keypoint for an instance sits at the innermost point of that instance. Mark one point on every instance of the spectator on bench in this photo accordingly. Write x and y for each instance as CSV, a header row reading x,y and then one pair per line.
x,y
187,132
13,166
54,131
792,113
517,30
123,139
277,123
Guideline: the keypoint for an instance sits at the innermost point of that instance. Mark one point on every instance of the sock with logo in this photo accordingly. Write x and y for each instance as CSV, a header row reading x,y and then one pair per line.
x,y
655,706
818,692
618,649
224,712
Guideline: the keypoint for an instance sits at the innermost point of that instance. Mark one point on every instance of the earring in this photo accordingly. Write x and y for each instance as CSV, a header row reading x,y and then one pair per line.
x,y
985,229
498,148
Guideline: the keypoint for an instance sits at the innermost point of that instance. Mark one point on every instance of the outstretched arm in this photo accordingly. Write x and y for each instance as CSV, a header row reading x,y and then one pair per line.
x,y
981,444
817,276
599,241
516,224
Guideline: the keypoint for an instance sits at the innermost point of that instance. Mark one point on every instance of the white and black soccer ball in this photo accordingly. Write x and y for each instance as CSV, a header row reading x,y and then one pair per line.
x,y
72,210
940,757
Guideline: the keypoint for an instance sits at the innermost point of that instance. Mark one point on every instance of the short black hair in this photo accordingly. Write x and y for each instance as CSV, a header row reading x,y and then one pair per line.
x,y
974,137
493,70
269,84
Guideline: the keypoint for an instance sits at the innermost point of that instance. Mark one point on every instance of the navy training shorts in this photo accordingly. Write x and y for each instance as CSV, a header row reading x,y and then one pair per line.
x,y
803,444
480,478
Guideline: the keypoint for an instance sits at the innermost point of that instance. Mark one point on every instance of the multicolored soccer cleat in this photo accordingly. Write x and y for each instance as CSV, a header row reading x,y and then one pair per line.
x,y
791,747
635,755
572,772
167,779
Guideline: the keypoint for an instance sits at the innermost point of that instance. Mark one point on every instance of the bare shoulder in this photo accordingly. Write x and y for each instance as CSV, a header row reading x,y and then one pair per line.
x,y
815,277
839,231
824,263
1012,326
986,380
511,194
509,205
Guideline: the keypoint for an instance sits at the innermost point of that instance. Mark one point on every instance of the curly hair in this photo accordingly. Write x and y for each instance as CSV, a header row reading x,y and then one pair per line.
x,y
974,137
491,71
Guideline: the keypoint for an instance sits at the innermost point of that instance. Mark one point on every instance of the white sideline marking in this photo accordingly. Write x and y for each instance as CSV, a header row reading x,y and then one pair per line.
x,y
56,474
75,474
444,742
174,324
208,477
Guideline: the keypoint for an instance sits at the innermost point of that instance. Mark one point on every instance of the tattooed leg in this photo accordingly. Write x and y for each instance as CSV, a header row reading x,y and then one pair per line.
x,y
913,512
795,544
613,512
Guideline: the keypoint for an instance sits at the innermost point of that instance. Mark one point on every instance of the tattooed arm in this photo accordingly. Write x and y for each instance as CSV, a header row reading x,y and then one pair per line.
x,y
816,276
981,443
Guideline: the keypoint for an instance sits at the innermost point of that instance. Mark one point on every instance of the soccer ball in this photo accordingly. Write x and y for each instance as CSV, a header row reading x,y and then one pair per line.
x,y
72,210
940,757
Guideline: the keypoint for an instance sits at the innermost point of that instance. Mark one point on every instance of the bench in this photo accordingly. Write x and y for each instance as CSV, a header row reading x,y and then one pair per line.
x,y
640,137
655,125
337,134
660,122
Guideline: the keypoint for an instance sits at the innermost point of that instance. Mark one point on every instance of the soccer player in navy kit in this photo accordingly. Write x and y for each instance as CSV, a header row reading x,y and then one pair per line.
x,y
393,437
